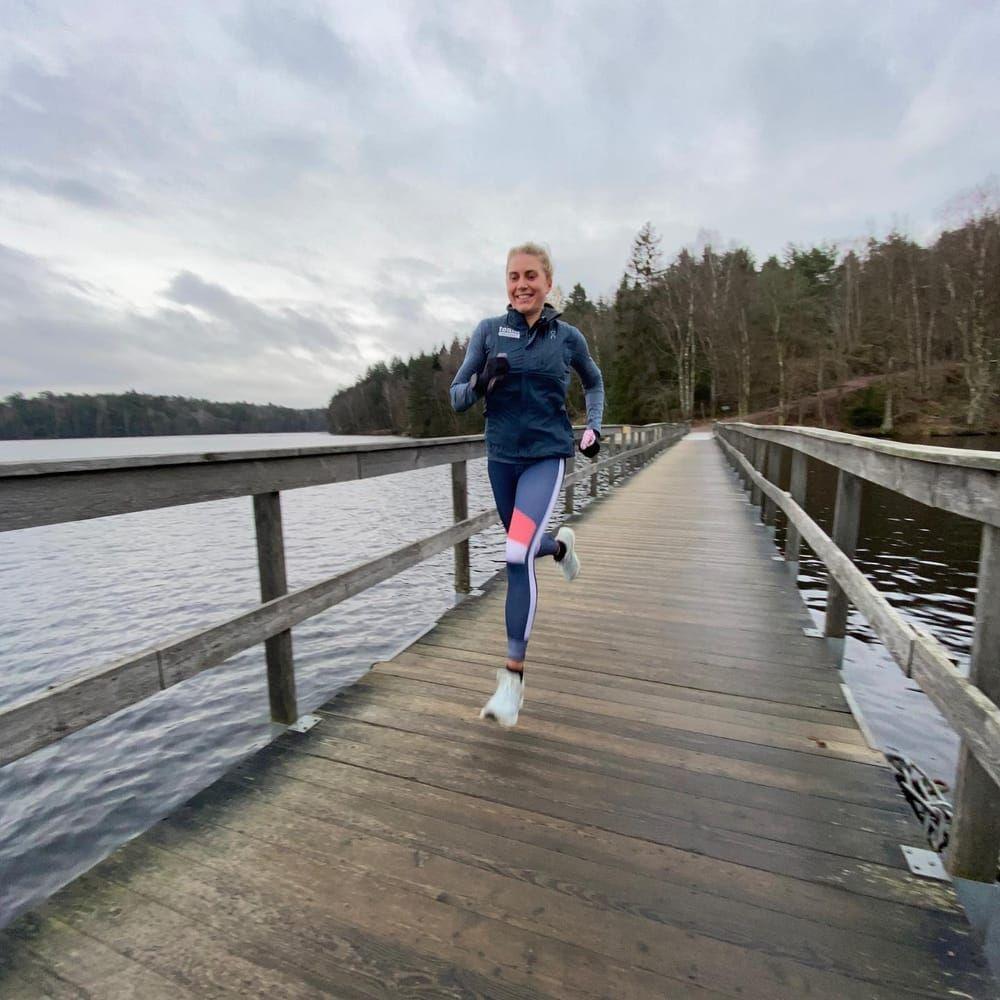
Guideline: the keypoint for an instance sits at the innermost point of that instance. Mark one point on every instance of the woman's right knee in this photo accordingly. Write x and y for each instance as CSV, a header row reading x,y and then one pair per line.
x,y
516,553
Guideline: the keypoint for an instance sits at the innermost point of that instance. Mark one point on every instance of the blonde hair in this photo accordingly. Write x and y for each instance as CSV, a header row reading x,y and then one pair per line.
x,y
533,250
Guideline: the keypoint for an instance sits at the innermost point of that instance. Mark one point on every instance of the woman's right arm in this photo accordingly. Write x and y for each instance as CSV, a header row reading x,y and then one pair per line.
x,y
463,395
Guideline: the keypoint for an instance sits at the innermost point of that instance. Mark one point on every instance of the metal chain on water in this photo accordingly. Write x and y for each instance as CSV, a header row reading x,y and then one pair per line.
x,y
932,810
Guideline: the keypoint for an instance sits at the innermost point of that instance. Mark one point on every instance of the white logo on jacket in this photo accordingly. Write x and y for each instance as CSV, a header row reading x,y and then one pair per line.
x,y
506,331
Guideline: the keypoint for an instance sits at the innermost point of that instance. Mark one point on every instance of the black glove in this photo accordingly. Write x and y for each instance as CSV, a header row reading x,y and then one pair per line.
x,y
493,373
592,449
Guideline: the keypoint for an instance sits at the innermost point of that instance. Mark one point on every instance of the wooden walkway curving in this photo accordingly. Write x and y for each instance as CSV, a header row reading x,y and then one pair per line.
x,y
686,810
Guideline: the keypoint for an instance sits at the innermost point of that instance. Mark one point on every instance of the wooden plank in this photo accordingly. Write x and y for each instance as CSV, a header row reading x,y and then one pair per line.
x,y
733,682
416,814
376,868
686,627
73,964
783,791
567,899
629,798
900,899
610,674
33,494
461,953
572,804
711,671
586,696
635,691
70,705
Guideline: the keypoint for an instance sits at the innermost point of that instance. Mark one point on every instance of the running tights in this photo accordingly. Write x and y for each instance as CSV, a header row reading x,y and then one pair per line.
x,y
525,494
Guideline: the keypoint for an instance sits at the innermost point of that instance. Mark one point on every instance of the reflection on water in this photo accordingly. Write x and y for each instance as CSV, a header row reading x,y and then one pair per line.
x,y
76,596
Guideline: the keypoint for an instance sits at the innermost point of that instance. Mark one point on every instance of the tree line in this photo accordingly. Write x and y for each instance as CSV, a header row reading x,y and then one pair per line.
x,y
48,415
710,332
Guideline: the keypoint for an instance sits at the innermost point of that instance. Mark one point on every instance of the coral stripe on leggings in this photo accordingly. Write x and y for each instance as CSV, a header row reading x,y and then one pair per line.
x,y
525,494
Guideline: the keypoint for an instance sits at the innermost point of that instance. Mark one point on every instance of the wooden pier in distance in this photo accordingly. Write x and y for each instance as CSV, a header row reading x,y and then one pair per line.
x,y
686,809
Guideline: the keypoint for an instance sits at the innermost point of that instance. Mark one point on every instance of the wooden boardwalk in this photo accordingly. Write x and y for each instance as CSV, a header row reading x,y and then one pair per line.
x,y
687,809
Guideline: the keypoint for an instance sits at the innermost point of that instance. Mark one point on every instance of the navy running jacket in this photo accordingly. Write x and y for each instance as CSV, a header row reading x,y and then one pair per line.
x,y
526,415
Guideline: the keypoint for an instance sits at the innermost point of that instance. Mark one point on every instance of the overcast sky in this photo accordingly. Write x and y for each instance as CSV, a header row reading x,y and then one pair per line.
x,y
255,200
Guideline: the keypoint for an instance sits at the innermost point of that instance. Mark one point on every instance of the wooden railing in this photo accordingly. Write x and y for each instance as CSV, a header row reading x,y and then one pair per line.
x,y
41,493
961,482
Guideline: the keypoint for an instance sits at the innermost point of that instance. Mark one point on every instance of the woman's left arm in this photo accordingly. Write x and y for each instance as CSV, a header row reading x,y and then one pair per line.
x,y
590,376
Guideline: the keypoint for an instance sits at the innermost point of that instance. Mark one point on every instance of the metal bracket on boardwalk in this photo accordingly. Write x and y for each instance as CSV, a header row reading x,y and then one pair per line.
x,y
303,724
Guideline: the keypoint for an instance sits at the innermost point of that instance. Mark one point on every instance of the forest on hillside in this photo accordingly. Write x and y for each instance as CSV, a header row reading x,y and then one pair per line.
x,y
129,414
883,332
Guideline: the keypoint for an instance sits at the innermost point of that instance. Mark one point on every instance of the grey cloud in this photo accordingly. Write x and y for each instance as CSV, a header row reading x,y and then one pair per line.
x,y
54,334
245,321
190,290
837,84
90,111
300,43
68,188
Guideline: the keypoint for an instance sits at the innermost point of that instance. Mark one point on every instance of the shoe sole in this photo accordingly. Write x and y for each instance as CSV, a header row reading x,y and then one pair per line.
x,y
499,722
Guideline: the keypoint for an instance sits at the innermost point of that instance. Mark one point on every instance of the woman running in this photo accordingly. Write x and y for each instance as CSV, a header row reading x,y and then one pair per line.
x,y
520,364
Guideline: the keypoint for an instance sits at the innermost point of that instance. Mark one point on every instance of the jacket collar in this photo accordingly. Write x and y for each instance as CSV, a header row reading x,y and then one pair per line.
x,y
548,316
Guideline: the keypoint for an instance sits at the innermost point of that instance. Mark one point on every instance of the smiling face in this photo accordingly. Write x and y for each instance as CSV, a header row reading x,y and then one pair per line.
x,y
527,285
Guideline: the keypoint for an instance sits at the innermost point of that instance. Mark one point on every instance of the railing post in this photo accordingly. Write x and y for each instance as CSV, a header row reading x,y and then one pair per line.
x,y
738,441
569,498
593,482
770,508
274,583
975,832
846,518
759,451
460,506
747,446
793,540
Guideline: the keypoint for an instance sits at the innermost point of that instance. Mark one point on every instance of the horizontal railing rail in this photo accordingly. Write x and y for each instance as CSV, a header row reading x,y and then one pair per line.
x,y
954,480
64,708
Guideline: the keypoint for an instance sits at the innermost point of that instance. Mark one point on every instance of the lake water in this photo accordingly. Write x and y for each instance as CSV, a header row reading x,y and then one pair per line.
x,y
77,596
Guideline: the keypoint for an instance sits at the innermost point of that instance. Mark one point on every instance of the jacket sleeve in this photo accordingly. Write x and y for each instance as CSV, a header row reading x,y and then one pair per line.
x,y
590,376
464,395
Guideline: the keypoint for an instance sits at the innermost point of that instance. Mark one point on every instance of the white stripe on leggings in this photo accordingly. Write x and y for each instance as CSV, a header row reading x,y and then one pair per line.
x,y
536,541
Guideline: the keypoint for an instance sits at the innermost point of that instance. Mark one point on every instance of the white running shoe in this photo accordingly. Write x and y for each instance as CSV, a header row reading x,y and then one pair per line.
x,y
570,563
507,699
